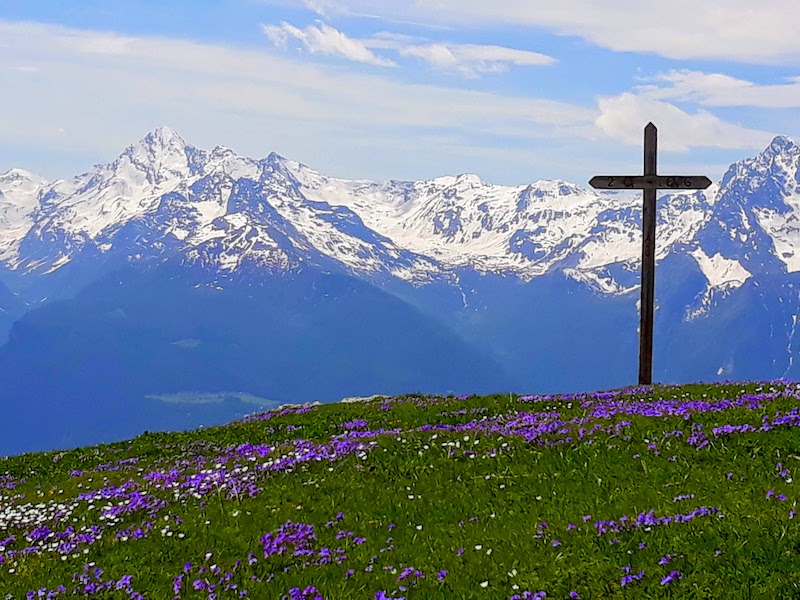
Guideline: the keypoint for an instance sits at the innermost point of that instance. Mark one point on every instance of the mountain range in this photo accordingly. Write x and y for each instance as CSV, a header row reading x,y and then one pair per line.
x,y
177,286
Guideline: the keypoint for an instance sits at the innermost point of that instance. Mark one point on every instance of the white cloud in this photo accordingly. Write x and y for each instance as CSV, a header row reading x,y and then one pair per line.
x,y
472,59
716,89
324,39
252,101
391,40
324,8
623,118
330,9
738,30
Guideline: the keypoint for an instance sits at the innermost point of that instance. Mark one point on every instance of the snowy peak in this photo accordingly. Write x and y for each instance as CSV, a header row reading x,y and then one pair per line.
x,y
225,161
19,193
781,146
158,157
554,188
755,214
274,158
19,198
164,136
21,180
776,167
464,181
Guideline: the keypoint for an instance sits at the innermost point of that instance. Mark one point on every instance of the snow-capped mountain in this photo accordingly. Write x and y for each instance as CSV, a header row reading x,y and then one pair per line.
x,y
525,230
162,196
174,271
755,216
749,223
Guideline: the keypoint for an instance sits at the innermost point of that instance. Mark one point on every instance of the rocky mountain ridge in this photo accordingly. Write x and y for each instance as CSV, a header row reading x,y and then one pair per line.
x,y
162,196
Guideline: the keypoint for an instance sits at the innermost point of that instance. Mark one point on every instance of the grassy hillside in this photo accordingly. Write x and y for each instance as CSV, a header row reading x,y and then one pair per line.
x,y
679,492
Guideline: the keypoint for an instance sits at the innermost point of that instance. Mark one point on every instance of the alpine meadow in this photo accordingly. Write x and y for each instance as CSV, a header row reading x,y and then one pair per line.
x,y
665,492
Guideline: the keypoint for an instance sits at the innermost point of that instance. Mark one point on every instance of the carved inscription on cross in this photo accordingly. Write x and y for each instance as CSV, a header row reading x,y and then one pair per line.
x,y
649,182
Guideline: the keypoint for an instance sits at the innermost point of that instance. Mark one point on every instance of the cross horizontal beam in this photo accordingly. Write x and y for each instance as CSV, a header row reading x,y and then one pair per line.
x,y
650,182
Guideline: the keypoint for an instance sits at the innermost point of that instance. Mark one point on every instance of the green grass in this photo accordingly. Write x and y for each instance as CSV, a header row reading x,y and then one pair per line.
x,y
477,517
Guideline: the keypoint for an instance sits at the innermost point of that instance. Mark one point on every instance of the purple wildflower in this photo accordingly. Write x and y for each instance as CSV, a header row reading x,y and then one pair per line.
x,y
673,575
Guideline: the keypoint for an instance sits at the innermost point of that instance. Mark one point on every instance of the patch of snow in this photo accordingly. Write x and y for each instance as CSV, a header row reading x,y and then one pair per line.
x,y
784,229
723,273
604,284
354,399
60,262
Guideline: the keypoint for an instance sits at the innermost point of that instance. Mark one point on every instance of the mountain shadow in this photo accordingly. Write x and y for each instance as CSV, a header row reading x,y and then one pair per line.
x,y
143,349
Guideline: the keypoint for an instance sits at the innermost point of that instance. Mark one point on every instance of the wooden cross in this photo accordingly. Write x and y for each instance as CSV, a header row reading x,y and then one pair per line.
x,y
649,182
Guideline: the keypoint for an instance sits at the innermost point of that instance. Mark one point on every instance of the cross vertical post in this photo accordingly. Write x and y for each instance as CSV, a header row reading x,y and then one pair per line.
x,y
649,182
647,304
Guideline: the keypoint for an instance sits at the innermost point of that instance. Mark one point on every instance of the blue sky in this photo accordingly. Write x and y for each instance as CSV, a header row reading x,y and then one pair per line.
x,y
513,90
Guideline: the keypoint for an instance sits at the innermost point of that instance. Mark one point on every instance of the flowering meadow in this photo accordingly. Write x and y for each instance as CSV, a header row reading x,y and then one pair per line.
x,y
662,492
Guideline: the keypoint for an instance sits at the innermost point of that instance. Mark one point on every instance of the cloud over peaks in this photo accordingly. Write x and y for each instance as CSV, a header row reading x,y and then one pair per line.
x,y
734,30
717,89
473,59
324,39
621,118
